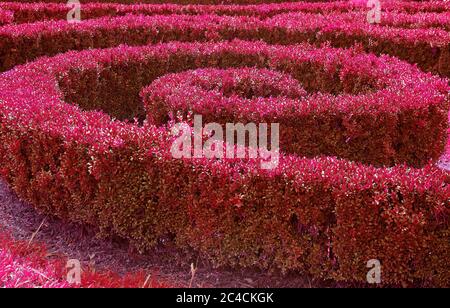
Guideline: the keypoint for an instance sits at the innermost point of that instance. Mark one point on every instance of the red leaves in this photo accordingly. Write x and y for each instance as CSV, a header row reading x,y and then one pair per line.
x,y
6,17
290,28
29,266
392,10
79,163
385,124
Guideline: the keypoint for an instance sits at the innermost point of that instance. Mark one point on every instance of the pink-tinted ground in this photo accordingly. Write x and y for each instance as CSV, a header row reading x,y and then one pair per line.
x,y
24,264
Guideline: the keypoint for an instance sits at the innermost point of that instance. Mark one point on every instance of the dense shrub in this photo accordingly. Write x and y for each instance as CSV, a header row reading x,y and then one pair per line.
x,y
32,12
426,47
392,5
383,125
324,216
6,17
207,2
402,20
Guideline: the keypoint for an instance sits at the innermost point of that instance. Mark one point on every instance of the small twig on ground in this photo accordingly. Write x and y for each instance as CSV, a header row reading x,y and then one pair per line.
x,y
40,274
35,233
193,272
146,281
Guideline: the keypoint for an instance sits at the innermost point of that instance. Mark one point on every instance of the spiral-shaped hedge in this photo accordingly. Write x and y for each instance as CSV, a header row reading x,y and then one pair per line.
x,y
359,133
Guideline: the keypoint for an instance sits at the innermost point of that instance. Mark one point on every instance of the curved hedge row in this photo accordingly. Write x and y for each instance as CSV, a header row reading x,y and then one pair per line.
x,y
437,6
208,2
377,111
324,216
32,12
429,48
403,20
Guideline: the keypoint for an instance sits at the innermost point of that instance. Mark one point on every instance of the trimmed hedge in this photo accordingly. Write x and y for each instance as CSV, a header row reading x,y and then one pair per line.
x,y
403,20
323,216
373,110
33,12
429,48
207,2
437,6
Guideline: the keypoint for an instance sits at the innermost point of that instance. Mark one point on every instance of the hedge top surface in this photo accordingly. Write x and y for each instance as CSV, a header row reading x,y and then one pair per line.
x,y
393,14
393,5
352,26
420,20
6,17
32,12
209,2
